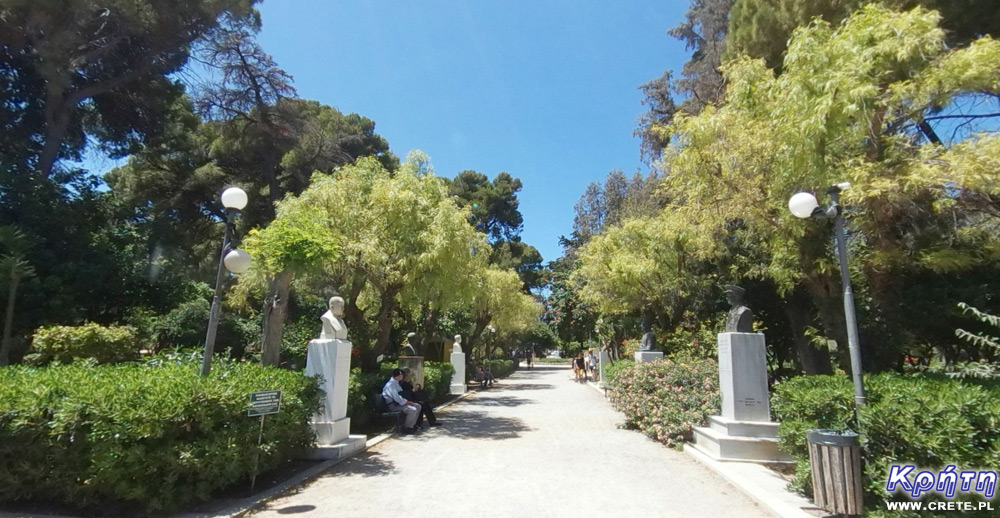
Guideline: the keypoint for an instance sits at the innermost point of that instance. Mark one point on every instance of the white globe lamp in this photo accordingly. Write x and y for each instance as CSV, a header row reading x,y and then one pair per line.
x,y
237,261
803,204
234,198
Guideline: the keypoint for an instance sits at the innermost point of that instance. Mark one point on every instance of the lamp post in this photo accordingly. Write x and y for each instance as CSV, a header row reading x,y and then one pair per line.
x,y
804,205
234,260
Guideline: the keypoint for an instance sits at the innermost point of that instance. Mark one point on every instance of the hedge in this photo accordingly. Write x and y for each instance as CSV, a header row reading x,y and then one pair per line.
x,y
102,344
665,399
152,437
921,420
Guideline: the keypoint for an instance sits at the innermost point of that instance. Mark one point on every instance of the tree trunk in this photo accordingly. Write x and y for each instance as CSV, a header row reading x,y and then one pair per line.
x,y
387,306
8,322
811,359
431,317
826,294
56,125
477,332
275,310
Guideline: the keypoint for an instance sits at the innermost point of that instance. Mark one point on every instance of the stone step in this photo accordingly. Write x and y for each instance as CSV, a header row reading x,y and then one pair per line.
x,y
724,447
743,428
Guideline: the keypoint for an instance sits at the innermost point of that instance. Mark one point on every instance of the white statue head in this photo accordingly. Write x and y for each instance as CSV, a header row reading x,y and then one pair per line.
x,y
337,306
458,339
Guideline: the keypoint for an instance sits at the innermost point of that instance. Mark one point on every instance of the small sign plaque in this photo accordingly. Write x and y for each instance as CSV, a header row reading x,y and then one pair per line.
x,y
264,402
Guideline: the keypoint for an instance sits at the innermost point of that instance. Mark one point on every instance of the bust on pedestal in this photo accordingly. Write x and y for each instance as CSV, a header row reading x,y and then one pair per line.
x,y
744,431
647,349
458,361
409,358
329,359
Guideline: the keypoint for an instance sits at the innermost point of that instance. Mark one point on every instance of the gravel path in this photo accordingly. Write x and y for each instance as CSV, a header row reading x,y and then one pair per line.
x,y
535,445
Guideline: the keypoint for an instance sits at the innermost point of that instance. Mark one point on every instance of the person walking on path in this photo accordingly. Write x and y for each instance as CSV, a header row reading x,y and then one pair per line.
x,y
580,367
397,403
527,357
592,364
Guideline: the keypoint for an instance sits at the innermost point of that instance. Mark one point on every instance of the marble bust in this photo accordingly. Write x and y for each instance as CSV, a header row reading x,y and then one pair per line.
x,y
457,346
410,349
333,325
740,318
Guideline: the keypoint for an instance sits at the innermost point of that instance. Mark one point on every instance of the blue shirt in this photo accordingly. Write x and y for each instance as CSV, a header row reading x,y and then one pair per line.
x,y
390,392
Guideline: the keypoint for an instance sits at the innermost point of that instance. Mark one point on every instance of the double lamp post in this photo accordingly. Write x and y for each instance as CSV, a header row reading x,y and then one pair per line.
x,y
233,259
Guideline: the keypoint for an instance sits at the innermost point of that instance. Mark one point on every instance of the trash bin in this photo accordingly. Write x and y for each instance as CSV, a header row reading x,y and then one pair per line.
x,y
835,462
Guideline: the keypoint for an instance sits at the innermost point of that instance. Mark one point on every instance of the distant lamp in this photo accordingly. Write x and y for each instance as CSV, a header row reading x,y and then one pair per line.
x,y
237,261
234,198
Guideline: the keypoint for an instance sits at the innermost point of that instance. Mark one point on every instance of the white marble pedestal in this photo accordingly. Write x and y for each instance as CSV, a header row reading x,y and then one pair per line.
x,y
744,431
416,366
331,360
458,380
647,356
603,359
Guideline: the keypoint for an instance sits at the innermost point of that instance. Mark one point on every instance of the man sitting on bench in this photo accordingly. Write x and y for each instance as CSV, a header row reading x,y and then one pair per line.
x,y
397,403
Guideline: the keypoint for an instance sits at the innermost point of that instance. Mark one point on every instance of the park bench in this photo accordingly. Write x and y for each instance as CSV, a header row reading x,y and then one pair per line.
x,y
382,411
484,381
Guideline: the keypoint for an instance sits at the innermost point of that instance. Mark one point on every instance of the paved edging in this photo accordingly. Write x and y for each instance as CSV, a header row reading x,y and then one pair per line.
x,y
760,484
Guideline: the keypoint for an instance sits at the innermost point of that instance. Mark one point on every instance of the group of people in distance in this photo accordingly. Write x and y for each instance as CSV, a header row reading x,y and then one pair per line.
x,y
401,395
585,366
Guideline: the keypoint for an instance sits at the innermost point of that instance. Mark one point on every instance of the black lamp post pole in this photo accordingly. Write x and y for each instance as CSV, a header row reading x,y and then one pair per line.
x,y
853,342
214,312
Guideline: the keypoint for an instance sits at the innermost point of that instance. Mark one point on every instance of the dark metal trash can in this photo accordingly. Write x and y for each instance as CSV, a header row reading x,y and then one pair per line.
x,y
835,462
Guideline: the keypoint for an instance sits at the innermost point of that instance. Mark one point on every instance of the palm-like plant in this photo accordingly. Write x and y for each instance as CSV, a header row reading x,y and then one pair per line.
x,y
14,266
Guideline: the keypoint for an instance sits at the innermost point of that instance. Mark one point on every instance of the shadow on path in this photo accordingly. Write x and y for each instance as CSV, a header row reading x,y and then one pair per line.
x,y
367,464
472,424
296,509
521,386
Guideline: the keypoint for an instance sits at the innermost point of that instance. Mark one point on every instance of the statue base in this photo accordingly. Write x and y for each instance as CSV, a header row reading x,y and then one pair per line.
x,y
458,380
744,431
416,366
332,432
648,356
342,450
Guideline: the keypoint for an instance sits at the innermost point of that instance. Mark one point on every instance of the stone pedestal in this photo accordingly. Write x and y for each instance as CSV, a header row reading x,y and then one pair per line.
x,y
603,359
416,366
331,360
744,431
743,377
458,380
647,356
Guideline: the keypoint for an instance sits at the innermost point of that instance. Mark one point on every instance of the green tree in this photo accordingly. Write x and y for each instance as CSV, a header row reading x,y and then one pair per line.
x,y
402,241
848,105
14,267
704,32
103,70
297,241
762,28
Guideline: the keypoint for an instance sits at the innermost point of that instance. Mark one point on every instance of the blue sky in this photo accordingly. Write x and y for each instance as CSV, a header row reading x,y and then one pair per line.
x,y
547,91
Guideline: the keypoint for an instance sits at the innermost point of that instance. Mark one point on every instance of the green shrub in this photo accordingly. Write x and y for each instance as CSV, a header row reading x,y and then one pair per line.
x,y
921,420
612,370
151,437
666,399
63,344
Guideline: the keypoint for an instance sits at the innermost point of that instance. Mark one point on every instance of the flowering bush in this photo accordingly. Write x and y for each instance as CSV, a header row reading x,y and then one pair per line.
x,y
666,399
